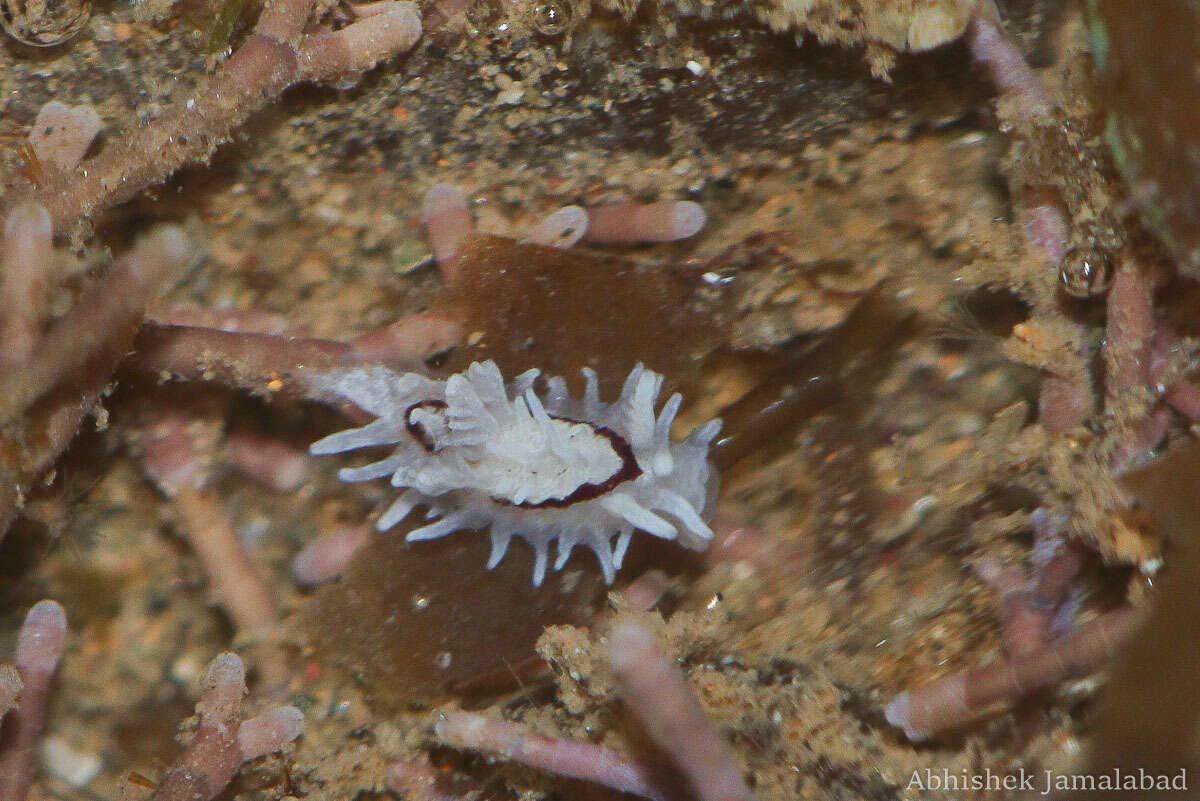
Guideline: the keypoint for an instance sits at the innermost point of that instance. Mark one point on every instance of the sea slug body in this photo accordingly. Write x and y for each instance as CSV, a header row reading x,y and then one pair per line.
x,y
477,453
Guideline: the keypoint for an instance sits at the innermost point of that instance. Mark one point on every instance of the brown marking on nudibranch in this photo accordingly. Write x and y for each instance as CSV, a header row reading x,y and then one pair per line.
x,y
416,430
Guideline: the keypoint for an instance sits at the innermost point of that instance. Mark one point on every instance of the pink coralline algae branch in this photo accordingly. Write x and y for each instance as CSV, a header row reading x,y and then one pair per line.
x,y
657,693
276,55
269,363
1136,350
447,221
1033,610
77,354
40,644
575,760
223,741
1035,606
80,351
174,460
960,699
1130,327
93,337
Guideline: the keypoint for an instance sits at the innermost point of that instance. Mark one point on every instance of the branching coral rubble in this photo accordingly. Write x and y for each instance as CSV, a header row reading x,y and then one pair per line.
x,y
204,394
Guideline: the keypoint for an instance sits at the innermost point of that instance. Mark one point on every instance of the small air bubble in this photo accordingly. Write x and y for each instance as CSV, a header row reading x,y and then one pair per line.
x,y
551,19
443,660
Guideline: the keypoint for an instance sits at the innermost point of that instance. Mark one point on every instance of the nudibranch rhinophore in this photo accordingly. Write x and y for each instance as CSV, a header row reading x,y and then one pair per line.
x,y
477,453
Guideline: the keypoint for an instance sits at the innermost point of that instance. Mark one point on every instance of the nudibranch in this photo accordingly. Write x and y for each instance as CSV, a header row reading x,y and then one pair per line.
x,y
477,453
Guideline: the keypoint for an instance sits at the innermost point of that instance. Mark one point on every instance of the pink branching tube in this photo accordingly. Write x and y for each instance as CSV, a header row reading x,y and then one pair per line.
x,y
172,455
1130,329
39,647
223,742
1030,603
327,557
1024,625
993,48
269,732
952,701
1063,403
255,361
447,221
414,337
268,461
382,30
628,223
176,456
1128,355
116,304
62,134
236,580
645,591
1065,400
25,262
1056,559
1138,442
657,692
1184,397
562,229
275,55
1046,223
576,760
246,321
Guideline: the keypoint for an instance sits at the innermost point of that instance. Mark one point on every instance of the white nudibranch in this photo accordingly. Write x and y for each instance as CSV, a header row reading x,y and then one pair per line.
x,y
477,453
